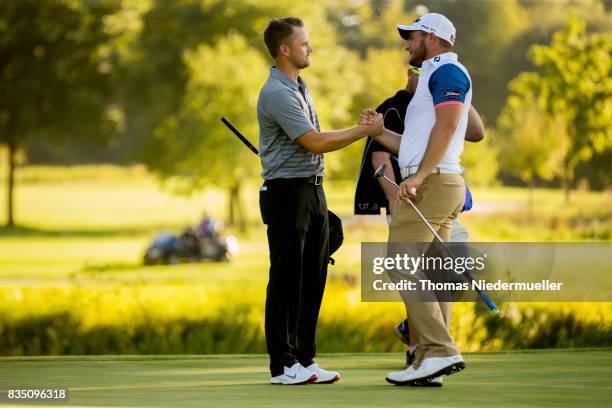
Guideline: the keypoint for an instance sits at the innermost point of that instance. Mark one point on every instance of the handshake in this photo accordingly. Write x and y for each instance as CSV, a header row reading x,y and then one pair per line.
x,y
371,122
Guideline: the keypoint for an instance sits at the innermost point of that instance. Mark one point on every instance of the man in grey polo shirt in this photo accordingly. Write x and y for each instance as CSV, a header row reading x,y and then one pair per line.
x,y
293,206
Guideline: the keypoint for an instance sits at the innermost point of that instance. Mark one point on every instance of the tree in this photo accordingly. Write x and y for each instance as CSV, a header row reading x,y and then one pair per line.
x,y
367,25
55,76
220,73
154,75
531,143
382,74
197,148
485,31
177,57
369,29
480,161
574,81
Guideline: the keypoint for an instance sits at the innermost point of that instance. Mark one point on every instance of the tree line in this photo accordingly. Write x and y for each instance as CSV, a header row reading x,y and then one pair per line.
x,y
147,81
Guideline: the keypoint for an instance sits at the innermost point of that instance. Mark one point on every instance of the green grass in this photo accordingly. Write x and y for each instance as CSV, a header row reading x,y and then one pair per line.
x,y
560,378
78,251
83,219
83,230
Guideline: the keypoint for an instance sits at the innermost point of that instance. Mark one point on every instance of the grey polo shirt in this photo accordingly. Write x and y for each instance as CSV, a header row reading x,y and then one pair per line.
x,y
286,111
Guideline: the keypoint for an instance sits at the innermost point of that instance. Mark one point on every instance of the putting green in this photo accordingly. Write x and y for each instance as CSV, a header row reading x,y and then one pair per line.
x,y
549,378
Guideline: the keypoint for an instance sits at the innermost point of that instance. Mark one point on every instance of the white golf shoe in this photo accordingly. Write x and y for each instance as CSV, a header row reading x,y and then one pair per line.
x,y
294,375
400,377
434,382
430,368
323,376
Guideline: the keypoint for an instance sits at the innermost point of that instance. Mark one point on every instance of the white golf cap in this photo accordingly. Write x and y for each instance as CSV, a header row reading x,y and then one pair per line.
x,y
431,23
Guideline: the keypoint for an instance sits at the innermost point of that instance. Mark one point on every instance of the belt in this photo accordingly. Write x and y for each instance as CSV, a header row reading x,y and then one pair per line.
x,y
314,180
410,170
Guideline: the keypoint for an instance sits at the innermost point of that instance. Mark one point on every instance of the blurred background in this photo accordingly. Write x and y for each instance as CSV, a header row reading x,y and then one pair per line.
x,y
111,144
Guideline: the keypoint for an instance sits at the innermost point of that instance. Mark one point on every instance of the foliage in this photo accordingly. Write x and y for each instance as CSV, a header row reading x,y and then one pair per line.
x,y
480,161
194,320
577,70
84,247
574,85
219,74
140,57
486,31
55,75
383,74
197,146
370,25
55,68
154,74
532,143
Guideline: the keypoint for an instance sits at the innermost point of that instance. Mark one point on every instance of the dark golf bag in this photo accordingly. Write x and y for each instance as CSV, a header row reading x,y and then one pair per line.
x,y
336,235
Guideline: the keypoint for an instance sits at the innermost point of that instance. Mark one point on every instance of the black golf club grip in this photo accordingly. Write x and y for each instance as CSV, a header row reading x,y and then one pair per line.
x,y
240,136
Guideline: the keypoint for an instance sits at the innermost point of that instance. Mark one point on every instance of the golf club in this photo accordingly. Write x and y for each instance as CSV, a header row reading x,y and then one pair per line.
x,y
380,173
240,136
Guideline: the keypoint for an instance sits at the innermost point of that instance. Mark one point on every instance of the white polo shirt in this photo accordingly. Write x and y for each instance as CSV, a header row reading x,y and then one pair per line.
x,y
443,81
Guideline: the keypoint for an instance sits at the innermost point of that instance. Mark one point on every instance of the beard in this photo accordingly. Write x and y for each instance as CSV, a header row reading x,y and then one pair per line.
x,y
300,63
417,56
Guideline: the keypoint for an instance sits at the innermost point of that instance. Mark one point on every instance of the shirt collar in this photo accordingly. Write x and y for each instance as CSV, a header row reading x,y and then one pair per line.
x,y
444,57
281,76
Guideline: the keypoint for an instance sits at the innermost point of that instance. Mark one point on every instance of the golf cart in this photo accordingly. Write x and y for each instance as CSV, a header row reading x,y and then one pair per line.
x,y
193,245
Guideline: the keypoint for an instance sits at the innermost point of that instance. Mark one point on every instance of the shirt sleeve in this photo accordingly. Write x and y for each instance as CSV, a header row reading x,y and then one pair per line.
x,y
285,109
448,85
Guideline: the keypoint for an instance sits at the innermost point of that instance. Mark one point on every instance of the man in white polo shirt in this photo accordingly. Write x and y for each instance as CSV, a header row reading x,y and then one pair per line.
x,y
429,159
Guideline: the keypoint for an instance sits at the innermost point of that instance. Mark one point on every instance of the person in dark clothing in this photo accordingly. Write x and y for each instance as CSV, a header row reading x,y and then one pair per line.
x,y
371,195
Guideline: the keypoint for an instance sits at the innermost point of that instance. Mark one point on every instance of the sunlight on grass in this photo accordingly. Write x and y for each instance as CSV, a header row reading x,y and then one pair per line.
x,y
76,260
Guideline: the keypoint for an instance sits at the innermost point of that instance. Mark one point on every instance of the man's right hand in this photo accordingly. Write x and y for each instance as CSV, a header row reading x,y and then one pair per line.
x,y
371,122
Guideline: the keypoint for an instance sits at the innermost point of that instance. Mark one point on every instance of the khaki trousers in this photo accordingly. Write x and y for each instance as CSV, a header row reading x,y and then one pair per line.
x,y
440,199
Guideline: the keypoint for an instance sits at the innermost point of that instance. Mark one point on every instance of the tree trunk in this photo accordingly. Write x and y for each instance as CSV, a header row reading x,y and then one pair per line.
x,y
236,213
566,189
231,216
240,209
566,182
531,188
12,152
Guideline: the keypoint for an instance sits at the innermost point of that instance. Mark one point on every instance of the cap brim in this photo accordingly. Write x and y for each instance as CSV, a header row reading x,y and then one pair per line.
x,y
404,30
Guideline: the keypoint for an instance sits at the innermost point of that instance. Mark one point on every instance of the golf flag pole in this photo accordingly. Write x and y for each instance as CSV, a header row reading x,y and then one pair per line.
x,y
380,172
240,136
